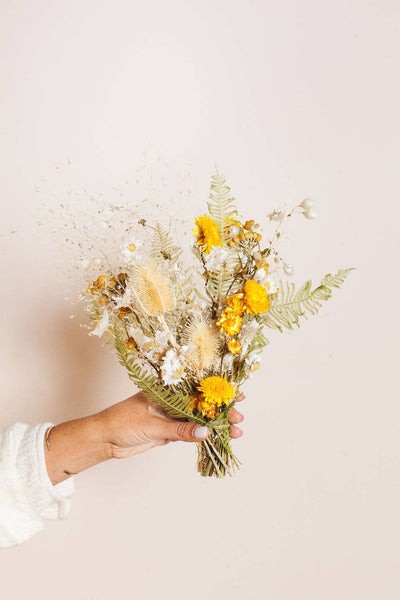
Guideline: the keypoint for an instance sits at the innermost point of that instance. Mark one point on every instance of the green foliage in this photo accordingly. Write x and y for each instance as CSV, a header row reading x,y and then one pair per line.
x,y
220,283
162,246
172,401
94,312
258,342
221,208
221,205
286,309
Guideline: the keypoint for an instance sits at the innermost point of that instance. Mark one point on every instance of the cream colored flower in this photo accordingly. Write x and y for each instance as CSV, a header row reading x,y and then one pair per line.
x,y
172,368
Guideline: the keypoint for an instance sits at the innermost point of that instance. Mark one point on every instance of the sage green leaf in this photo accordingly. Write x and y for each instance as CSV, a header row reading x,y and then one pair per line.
x,y
289,305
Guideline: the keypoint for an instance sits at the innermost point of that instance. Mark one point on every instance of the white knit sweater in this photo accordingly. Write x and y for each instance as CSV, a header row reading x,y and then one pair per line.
x,y
27,495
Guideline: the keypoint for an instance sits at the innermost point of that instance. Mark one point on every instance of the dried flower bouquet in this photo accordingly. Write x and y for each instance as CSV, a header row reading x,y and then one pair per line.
x,y
188,345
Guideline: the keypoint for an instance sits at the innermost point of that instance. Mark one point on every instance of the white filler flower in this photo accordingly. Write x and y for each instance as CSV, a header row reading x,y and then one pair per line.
x,y
130,250
216,258
172,369
102,325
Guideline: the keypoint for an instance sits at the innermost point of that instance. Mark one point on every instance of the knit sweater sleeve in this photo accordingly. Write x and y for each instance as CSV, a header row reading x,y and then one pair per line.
x,y
27,495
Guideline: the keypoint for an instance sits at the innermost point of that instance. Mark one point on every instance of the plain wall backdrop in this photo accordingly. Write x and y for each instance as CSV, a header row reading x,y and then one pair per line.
x,y
290,99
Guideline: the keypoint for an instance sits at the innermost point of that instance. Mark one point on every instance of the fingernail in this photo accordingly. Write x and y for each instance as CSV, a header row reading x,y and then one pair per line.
x,y
200,432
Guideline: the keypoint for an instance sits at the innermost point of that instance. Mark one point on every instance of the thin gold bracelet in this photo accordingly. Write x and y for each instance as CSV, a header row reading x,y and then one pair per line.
x,y
47,437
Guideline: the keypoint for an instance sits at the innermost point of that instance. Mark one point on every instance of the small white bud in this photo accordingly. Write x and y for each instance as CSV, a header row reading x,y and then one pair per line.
x,y
234,230
310,213
288,269
276,215
307,203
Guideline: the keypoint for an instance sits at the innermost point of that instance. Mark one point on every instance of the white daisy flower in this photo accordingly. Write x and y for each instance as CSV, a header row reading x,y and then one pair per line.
x,y
252,363
130,250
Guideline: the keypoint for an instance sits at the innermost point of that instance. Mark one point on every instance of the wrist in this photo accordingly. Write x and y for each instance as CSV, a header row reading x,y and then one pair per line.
x,y
102,429
75,446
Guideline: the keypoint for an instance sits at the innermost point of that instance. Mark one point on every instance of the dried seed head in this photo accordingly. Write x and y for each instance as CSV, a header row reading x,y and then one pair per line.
x,y
204,341
152,289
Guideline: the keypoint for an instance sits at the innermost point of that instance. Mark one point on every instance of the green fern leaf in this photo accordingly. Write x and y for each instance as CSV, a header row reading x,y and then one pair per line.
x,y
290,305
221,205
162,246
171,400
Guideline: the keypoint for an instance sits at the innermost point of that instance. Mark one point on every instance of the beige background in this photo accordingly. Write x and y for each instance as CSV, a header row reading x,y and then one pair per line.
x,y
291,99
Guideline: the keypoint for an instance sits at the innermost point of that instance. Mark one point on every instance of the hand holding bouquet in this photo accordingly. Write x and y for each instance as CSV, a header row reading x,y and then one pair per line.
x,y
188,336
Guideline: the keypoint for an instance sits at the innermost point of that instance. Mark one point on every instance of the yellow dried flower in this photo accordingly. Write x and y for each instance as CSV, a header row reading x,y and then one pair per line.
x,y
207,233
236,304
234,346
215,391
103,300
130,344
98,285
124,311
255,298
249,224
229,322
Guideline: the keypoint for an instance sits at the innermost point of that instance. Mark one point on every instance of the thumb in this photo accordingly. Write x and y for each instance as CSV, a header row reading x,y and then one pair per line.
x,y
185,431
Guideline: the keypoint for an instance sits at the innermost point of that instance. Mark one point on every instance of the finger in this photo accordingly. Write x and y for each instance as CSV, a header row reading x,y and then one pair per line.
x,y
235,432
235,416
240,398
184,431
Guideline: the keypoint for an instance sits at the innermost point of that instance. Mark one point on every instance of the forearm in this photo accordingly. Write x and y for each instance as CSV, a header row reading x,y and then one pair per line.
x,y
75,446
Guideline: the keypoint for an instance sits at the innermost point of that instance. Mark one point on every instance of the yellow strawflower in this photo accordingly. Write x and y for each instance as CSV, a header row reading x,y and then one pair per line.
x,y
207,233
236,304
229,322
214,392
255,298
234,346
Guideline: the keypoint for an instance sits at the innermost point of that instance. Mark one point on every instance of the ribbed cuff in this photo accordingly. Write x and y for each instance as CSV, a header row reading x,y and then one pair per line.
x,y
46,500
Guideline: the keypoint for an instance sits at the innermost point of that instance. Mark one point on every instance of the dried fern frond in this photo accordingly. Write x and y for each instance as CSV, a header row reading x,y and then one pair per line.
x,y
220,283
289,305
174,403
162,246
221,205
152,289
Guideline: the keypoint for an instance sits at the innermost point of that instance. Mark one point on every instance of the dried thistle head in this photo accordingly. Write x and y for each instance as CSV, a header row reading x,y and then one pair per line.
x,y
204,342
152,289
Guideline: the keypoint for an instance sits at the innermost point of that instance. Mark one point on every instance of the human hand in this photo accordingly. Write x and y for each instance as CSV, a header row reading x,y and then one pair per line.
x,y
136,425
